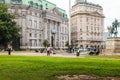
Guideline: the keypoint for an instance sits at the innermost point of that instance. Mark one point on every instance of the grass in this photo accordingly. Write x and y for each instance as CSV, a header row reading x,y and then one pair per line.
x,y
45,68
112,57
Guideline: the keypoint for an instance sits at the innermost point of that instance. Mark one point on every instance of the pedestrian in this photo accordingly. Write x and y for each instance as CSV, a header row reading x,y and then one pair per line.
x,y
9,49
73,50
78,52
97,51
48,51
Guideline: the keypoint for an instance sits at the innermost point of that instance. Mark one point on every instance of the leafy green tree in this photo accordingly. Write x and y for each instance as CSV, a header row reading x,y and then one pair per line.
x,y
67,43
8,28
46,43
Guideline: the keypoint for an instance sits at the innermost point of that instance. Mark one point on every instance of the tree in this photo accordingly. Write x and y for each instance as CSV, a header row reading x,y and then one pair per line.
x,y
8,28
67,43
46,43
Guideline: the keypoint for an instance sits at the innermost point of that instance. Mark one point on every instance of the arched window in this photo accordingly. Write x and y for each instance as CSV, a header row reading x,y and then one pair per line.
x,y
46,6
16,1
40,7
30,3
37,5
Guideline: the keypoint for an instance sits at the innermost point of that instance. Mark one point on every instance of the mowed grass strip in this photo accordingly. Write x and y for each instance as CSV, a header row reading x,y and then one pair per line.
x,y
45,68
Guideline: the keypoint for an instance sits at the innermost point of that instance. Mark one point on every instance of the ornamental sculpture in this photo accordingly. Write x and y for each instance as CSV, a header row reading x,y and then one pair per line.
x,y
113,30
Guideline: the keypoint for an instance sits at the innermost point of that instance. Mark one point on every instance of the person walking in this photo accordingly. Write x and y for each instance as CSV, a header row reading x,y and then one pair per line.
x,y
78,52
73,50
9,49
48,51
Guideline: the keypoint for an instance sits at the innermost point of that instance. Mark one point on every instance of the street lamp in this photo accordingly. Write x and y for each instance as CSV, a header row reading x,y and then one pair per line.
x,y
69,22
53,31
70,47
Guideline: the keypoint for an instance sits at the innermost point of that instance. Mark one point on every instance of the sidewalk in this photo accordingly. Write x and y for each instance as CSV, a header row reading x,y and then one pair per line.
x,y
71,55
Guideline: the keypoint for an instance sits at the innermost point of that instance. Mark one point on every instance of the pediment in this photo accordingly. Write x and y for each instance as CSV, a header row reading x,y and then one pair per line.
x,y
97,14
55,14
54,11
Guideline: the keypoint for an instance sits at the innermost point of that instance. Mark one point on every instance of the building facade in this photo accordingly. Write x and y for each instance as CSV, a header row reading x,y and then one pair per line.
x,y
87,25
39,20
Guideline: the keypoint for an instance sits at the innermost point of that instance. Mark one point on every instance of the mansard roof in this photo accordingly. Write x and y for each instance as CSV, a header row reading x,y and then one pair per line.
x,y
88,3
38,4
95,13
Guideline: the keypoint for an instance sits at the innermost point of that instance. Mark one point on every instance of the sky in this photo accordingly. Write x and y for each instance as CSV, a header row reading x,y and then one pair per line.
x,y
111,8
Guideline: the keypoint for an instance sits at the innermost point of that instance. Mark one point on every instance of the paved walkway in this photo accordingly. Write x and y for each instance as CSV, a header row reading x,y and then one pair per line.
x,y
62,54
71,55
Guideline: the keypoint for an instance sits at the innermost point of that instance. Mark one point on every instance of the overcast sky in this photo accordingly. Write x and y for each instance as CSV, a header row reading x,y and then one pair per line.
x,y
111,8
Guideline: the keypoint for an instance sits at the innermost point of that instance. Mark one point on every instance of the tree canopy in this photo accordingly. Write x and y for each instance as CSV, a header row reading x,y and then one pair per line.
x,y
8,28
67,43
46,43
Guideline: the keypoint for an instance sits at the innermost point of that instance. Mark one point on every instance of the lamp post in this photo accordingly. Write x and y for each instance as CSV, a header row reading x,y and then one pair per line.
x,y
70,47
53,31
69,22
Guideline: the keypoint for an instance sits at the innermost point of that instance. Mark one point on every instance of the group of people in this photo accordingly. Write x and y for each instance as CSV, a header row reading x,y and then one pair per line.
x,y
91,51
95,50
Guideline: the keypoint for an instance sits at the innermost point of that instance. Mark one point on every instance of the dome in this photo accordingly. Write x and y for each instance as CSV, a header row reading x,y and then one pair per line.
x,y
77,1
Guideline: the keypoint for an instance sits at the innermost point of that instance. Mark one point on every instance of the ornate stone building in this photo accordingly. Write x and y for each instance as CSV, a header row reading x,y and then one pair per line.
x,y
39,20
87,24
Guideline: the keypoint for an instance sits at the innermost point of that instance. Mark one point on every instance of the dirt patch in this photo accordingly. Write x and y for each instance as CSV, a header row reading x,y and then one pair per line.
x,y
85,77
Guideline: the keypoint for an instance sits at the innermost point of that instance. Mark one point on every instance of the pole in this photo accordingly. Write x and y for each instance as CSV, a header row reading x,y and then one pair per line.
x,y
70,47
69,22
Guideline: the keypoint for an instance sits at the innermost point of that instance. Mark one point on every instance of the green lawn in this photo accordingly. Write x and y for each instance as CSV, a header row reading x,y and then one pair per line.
x,y
45,68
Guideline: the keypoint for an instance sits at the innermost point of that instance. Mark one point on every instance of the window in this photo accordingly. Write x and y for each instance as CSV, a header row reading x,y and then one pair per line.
x,y
40,36
87,28
35,14
91,27
94,20
35,42
40,25
80,30
30,35
40,7
16,1
63,15
30,42
81,38
30,3
46,6
30,22
87,33
80,19
36,5
87,20
35,35
40,42
40,15
35,24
